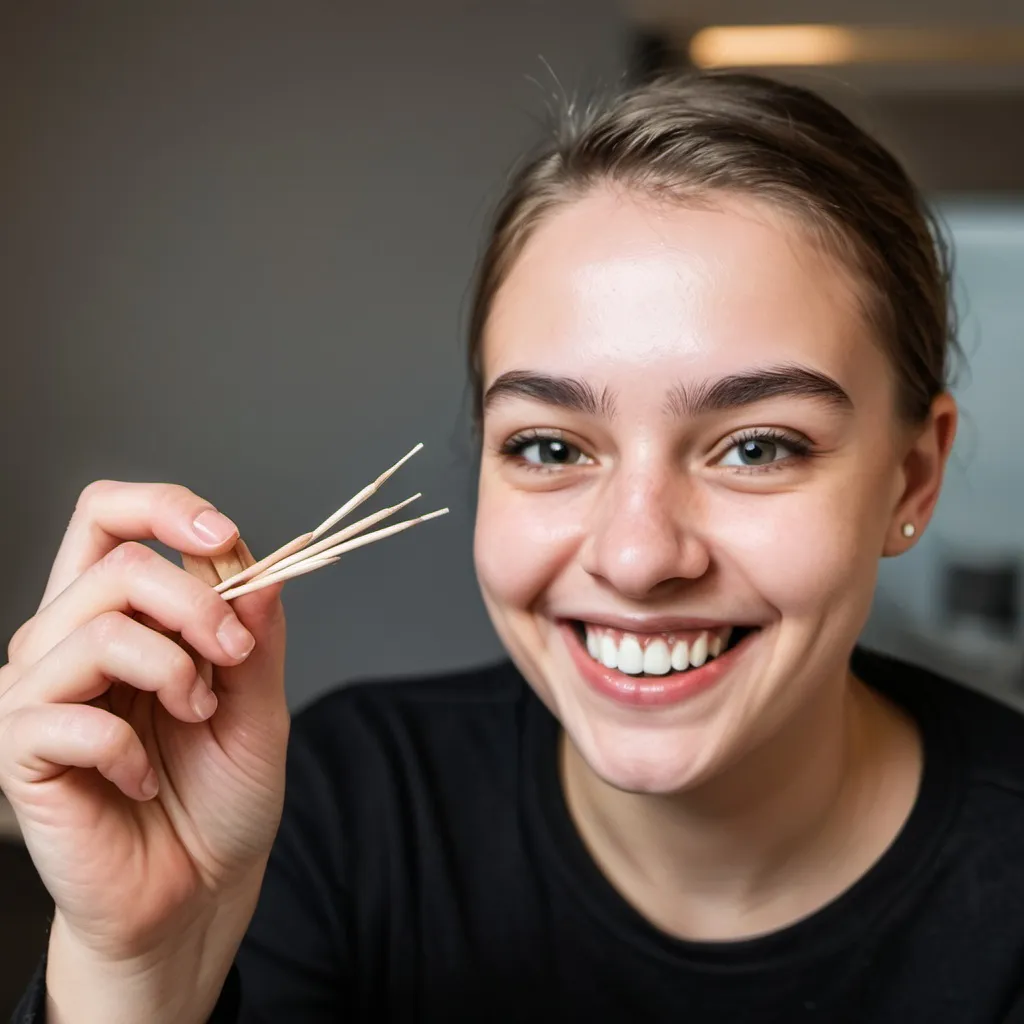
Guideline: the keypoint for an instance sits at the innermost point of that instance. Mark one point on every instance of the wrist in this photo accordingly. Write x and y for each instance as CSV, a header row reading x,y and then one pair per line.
x,y
176,981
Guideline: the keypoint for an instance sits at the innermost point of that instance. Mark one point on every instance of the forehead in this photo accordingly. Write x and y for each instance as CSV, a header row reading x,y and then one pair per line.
x,y
621,285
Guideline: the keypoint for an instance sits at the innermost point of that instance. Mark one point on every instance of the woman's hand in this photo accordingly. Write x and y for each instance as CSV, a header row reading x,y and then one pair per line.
x,y
148,801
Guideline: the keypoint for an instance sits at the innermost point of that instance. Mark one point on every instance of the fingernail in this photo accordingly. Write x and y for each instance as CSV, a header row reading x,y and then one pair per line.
x,y
203,700
150,784
213,528
236,640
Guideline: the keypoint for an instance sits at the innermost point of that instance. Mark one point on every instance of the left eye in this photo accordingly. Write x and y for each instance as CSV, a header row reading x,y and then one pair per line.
x,y
550,451
757,451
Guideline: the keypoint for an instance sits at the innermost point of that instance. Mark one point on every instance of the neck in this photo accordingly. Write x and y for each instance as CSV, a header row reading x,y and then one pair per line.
x,y
768,841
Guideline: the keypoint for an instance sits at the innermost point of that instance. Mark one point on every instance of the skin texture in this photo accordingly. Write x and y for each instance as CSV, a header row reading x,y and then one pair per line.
x,y
645,305
153,886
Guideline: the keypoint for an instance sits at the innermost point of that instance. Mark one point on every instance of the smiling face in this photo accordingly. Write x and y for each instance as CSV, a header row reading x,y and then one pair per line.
x,y
689,448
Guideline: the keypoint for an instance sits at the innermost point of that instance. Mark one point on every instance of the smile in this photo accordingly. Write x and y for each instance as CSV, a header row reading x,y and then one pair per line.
x,y
653,654
652,668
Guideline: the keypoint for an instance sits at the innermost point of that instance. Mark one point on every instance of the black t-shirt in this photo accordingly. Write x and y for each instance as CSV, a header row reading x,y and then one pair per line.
x,y
427,869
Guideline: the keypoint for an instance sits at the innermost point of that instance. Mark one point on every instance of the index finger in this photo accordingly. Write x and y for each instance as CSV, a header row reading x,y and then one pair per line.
x,y
111,511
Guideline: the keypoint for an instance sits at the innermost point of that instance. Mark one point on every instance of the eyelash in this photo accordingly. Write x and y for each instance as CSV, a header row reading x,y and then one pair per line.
x,y
800,447
514,447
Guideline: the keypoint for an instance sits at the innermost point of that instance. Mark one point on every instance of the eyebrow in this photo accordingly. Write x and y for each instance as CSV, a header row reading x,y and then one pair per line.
x,y
731,392
563,392
739,389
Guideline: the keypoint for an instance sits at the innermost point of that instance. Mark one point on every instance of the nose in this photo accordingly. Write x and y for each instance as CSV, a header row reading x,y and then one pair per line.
x,y
644,534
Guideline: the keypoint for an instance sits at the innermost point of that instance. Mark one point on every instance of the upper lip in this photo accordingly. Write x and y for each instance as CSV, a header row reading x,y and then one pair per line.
x,y
652,623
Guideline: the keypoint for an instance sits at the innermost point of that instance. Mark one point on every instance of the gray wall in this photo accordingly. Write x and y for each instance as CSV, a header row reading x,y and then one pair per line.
x,y
235,241
980,516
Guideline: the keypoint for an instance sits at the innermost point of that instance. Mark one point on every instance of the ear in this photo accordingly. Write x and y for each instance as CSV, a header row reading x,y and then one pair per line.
x,y
925,455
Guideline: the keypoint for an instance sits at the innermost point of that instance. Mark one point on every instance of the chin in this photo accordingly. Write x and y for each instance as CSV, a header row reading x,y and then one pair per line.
x,y
645,760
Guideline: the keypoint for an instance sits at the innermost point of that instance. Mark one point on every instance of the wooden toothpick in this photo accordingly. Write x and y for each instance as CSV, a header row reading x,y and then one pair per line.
x,y
370,538
336,538
365,493
277,577
241,575
264,564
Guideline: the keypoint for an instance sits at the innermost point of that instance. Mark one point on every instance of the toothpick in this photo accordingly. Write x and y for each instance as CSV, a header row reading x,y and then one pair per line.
x,y
365,493
264,564
370,538
278,577
337,538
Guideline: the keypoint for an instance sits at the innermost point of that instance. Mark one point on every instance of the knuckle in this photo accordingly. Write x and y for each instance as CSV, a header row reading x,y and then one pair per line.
x,y
181,670
114,736
93,494
215,609
107,628
129,557
179,499
176,506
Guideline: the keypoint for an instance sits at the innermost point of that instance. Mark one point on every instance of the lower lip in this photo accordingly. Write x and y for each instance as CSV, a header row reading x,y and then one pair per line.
x,y
647,691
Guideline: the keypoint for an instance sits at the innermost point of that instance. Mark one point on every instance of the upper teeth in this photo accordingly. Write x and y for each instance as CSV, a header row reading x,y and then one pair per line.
x,y
652,655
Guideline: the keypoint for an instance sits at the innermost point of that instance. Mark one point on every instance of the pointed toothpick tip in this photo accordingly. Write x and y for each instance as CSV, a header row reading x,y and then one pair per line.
x,y
398,465
368,491
317,549
291,560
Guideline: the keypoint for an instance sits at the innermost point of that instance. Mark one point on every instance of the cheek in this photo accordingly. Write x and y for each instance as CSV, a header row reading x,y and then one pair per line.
x,y
803,552
522,540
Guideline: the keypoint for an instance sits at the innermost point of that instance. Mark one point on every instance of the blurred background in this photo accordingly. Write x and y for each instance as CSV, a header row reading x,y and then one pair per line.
x,y
236,242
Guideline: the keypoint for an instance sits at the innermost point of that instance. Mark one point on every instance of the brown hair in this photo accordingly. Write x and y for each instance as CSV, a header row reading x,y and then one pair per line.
x,y
688,137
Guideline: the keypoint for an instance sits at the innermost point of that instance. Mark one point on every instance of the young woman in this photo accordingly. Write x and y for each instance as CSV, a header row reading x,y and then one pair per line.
x,y
710,345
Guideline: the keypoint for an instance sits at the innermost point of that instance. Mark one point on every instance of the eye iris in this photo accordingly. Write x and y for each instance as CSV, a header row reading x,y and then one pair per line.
x,y
555,451
757,453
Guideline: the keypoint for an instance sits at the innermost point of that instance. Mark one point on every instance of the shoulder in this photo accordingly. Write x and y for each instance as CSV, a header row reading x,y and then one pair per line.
x,y
409,726
969,817
988,734
467,695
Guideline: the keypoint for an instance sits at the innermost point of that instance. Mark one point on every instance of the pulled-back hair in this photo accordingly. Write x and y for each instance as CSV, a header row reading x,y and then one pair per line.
x,y
693,137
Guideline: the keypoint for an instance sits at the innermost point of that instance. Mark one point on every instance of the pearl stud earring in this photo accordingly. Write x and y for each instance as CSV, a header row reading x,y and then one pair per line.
x,y
908,530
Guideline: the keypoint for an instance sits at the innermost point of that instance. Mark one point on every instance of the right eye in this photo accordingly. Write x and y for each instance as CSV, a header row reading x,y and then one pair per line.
x,y
545,451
